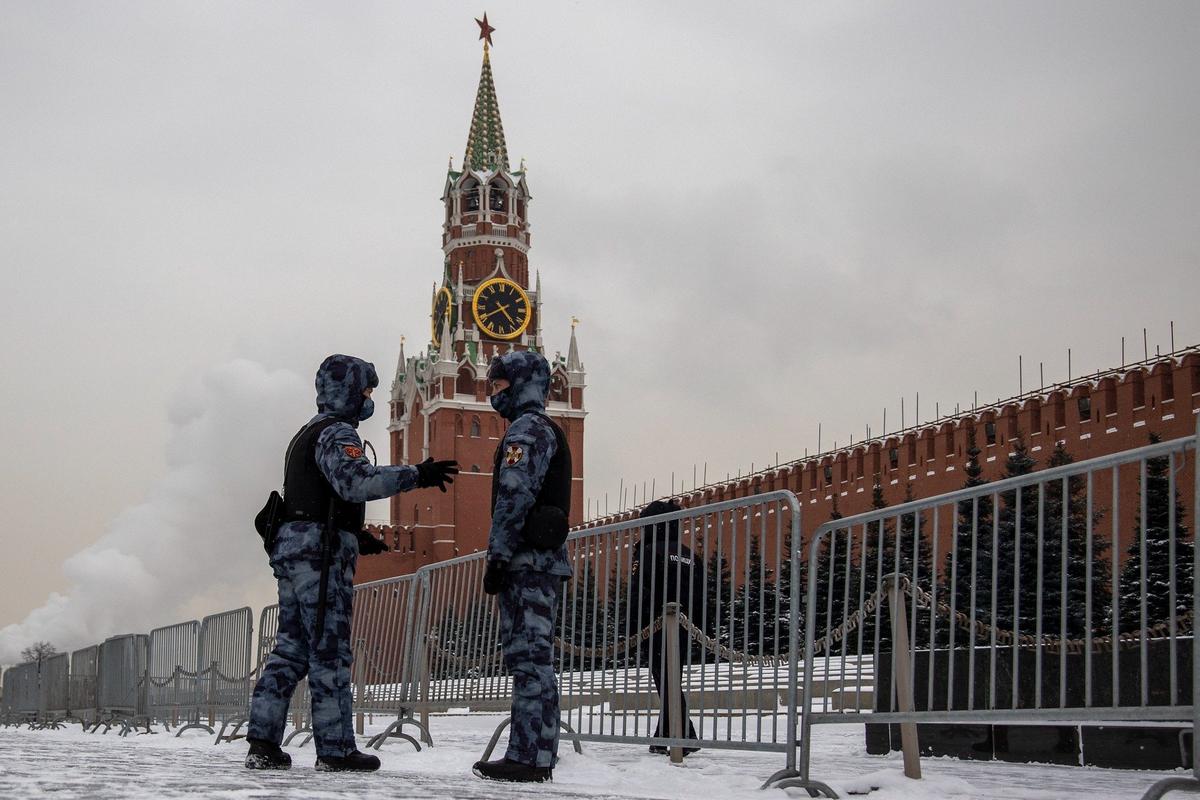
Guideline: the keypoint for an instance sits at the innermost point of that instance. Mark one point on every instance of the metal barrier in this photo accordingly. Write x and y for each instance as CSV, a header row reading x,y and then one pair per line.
x,y
83,700
300,707
225,680
727,564
1063,595
121,691
382,639
173,685
21,693
54,701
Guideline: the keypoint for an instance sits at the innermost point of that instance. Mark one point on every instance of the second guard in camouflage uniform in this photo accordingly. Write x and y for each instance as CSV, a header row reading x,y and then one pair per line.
x,y
327,482
527,560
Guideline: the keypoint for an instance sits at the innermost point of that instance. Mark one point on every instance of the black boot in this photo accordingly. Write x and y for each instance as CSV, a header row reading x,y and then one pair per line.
x,y
266,755
356,761
505,770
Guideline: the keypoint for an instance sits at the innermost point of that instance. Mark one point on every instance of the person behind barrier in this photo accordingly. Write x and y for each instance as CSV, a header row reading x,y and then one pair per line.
x,y
527,560
665,571
327,481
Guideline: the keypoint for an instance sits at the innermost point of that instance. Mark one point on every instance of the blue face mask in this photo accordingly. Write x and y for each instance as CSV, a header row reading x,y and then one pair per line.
x,y
502,401
368,408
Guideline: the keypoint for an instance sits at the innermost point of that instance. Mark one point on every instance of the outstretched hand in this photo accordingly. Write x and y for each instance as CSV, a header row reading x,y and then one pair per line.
x,y
436,473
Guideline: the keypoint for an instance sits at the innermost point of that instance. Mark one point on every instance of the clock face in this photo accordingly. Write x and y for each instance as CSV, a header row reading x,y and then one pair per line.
x,y
501,308
442,302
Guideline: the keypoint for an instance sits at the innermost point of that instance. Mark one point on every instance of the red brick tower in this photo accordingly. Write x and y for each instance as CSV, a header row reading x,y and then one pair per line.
x,y
483,304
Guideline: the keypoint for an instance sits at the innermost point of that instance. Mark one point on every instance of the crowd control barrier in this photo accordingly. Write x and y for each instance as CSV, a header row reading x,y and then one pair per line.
x,y
21,693
172,685
727,567
225,643
121,691
84,683
1066,595
382,638
54,690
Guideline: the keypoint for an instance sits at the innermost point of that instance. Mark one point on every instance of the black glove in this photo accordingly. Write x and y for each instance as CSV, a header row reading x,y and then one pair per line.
x,y
368,545
436,473
496,577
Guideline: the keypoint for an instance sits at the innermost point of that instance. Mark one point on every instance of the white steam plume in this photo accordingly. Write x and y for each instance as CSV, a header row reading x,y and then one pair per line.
x,y
190,548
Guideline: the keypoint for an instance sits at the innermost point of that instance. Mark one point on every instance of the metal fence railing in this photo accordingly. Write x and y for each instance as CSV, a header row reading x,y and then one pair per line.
x,y
21,693
300,708
121,689
1065,595
382,638
85,666
225,644
54,700
728,568
172,681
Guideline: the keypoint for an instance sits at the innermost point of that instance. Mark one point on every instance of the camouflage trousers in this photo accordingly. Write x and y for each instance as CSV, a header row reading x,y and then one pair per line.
x,y
326,662
527,610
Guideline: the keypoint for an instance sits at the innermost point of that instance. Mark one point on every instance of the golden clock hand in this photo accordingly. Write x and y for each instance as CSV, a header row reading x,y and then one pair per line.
x,y
510,319
493,312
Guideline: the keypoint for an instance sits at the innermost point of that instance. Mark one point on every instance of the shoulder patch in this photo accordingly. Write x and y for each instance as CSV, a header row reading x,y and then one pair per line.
x,y
513,455
352,451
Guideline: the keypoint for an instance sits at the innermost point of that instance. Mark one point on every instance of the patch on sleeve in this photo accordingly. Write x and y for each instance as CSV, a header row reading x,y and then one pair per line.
x,y
513,455
352,451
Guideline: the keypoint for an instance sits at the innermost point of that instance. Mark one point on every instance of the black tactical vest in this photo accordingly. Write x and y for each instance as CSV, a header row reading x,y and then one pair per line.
x,y
556,487
306,492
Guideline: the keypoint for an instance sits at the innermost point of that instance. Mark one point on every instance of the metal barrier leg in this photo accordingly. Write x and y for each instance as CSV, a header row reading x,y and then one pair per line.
x,y
903,682
1163,787
672,704
395,730
487,753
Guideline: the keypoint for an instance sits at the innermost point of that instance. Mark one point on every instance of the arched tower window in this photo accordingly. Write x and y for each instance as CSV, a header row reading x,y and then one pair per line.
x,y
458,425
497,196
475,427
465,384
470,195
558,387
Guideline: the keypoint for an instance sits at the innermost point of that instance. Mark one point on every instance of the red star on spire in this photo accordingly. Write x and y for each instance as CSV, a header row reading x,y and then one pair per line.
x,y
485,30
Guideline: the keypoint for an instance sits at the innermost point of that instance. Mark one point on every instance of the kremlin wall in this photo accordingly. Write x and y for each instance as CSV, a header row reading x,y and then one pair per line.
x,y
1096,415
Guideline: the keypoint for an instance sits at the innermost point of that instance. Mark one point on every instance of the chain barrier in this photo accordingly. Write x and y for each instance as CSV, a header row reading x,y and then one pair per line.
x,y
922,598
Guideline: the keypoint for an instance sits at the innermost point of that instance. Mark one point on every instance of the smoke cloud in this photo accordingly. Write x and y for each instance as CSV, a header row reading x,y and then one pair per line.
x,y
190,548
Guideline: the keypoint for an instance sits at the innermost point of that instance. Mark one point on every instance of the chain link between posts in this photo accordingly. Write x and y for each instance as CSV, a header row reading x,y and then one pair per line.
x,y
923,599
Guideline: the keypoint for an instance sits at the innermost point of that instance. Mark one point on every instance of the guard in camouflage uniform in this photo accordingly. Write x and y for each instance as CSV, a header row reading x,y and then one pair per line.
x,y
531,477
327,478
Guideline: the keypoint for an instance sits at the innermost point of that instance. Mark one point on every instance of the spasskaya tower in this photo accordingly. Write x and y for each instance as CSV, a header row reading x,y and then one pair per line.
x,y
484,302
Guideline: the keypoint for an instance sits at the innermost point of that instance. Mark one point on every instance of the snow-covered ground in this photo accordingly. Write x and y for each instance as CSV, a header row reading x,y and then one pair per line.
x,y
69,763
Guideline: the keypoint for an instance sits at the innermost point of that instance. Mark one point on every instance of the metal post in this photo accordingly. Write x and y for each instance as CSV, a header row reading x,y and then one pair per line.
x,y
1195,601
902,678
672,683
361,686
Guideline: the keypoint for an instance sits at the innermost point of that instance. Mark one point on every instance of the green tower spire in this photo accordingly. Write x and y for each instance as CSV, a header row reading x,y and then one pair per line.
x,y
485,144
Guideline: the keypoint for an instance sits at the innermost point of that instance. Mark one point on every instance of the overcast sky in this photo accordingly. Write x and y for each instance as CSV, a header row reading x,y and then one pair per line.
x,y
767,216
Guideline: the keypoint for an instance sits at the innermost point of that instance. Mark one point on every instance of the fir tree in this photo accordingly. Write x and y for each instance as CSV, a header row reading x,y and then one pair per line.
x,y
969,562
718,596
879,542
1017,521
1158,537
754,608
831,578
1064,559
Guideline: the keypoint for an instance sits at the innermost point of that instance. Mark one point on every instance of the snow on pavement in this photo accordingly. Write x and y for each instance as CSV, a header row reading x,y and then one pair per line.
x,y
70,763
